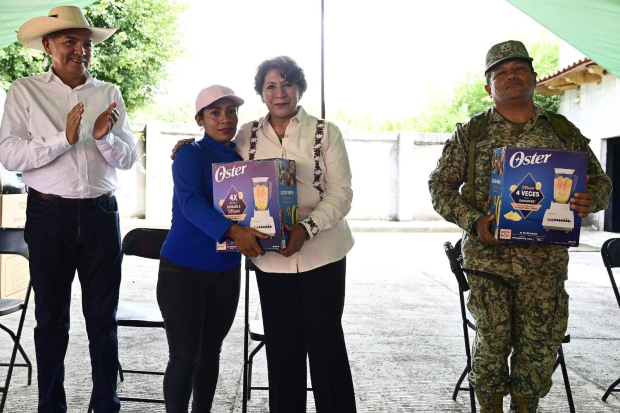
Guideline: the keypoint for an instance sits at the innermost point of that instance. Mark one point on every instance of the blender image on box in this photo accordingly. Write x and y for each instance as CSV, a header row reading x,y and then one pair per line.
x,y
260,194
559,216
530,192
262,221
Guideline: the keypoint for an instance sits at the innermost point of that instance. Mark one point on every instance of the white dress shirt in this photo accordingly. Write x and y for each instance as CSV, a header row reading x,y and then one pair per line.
x,y
33,138
334,239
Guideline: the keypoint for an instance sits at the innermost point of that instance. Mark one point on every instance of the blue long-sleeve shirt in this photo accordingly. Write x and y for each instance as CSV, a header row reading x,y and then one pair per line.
x,y
196,226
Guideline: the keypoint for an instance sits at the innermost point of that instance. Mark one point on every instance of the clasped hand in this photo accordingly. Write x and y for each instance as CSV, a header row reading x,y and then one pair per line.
x,y
296,239
245,239
103,125
581,202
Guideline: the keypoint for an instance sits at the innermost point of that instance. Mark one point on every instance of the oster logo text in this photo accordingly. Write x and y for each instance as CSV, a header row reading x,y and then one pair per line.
x,y
519,158
222,173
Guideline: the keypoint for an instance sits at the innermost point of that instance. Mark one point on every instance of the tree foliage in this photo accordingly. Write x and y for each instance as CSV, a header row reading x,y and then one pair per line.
x,y
469,97
18,61
135,58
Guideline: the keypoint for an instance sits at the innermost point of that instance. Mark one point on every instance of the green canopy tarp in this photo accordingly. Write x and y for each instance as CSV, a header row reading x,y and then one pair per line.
x,y
14,13
590,26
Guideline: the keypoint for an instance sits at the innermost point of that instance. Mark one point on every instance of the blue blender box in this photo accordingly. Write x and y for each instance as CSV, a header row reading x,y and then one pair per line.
x,y
530,194
259,194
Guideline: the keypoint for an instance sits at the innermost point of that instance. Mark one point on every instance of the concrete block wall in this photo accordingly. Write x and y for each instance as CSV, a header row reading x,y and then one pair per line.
x,y
373,160
390,173
132,191
160,139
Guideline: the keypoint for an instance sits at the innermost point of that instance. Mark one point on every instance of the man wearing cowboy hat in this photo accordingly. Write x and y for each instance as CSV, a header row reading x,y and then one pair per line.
x,y
67,133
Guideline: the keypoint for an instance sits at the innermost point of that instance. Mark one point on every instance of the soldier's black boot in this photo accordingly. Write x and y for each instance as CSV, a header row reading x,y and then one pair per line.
x,y
520,404
490,402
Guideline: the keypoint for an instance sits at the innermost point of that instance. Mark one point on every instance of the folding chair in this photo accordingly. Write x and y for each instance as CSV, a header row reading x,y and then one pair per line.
x,y
454,256
611,258
145,243
12,242
253,331
456,265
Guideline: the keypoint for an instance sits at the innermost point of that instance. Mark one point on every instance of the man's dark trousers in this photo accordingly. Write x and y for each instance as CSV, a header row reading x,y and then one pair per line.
x,y
63,239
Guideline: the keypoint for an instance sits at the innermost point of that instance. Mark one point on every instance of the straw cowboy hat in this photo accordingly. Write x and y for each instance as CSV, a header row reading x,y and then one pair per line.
x,y
62,17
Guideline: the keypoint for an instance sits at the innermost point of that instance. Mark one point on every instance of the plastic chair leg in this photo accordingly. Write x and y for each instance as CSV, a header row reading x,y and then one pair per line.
x,y
249,391
569,393
28,363
21,351
14,352
3,400
469,388
120,371
472,398
250,361
611,389
458,384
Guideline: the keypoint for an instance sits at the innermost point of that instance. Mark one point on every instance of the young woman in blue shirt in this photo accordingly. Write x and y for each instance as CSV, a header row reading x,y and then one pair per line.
x,y
198,288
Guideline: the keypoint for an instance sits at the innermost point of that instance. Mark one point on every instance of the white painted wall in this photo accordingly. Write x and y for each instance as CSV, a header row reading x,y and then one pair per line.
x,y
130,194
427,150
594,109
160,139
372,164
390,172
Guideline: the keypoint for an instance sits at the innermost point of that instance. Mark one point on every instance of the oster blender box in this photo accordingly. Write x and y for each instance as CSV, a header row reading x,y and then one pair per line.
x,y
530,194
259,194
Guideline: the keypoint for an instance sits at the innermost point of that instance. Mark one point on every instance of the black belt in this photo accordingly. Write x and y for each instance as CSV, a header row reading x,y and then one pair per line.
x,y
72,202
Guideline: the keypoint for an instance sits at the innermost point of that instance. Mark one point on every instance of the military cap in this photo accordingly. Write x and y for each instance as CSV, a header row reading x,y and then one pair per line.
x,y
512,49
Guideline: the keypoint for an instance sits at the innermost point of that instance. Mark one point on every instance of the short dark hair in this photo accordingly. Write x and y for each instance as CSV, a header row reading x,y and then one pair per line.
x,y
288,68
201,113
487,75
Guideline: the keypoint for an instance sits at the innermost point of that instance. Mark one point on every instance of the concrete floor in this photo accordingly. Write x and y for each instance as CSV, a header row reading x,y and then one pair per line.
x,y
402,326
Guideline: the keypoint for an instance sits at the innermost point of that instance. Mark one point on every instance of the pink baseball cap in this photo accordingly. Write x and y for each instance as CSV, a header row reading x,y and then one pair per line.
x,y
212,93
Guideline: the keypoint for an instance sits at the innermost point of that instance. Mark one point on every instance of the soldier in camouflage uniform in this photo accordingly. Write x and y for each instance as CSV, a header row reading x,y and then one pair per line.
x,y
517,292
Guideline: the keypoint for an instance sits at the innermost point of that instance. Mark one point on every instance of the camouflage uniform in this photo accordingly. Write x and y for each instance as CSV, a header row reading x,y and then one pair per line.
x,y
527,309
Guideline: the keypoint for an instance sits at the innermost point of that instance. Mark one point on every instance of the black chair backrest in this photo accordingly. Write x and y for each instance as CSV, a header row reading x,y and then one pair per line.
x,y
249,264
456,261
144,242
12,242
611,253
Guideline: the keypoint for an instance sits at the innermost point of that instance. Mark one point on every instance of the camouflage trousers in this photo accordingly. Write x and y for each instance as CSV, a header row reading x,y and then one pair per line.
x,y
527,317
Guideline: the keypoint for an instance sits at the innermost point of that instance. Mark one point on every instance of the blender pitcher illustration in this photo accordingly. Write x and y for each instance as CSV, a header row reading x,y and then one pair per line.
x,y
261,220
559,216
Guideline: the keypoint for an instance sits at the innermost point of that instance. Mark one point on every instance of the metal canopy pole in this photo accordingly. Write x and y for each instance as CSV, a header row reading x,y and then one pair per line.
x,y
322,59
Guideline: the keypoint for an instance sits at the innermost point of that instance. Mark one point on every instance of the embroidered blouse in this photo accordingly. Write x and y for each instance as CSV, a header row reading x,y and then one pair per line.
x,y
324,193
